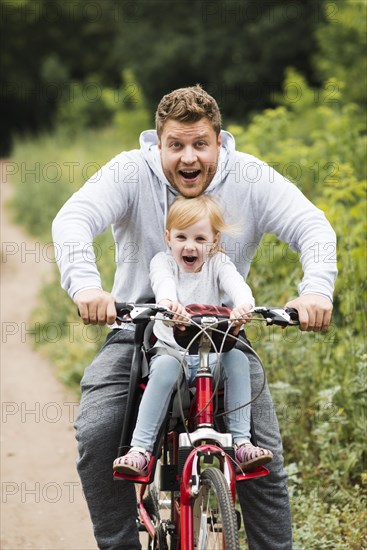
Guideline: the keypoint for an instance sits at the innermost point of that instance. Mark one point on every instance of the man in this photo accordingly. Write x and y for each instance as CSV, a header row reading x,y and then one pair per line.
x,y
188,154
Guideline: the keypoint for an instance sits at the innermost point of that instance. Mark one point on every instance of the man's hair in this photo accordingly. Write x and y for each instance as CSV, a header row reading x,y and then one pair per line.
x,y
185,212
188,105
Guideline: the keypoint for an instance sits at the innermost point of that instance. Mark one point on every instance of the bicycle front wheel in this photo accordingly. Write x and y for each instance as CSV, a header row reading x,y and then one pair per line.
x,y
215,522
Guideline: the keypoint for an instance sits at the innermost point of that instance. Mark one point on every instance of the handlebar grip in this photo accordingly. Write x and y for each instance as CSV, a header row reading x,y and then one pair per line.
x,y
123,308
293,314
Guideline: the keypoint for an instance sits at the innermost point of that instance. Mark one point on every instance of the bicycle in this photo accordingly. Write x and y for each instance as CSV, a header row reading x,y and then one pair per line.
x,y
192,473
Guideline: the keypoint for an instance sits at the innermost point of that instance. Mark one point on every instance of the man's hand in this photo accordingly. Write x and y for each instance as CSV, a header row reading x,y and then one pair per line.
x,y
314,312
96,307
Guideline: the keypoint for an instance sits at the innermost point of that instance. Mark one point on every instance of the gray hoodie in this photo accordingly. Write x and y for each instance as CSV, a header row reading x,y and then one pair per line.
x,y
132,194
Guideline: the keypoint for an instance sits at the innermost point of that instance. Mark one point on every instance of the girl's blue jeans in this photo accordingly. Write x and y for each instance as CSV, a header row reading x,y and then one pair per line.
x,y
166,371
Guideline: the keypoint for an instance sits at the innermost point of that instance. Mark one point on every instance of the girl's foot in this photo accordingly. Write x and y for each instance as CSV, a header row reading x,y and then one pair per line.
x,y
134,463
249,457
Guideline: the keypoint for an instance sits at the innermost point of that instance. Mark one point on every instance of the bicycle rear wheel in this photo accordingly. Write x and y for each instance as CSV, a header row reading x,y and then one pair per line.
x,y
215,521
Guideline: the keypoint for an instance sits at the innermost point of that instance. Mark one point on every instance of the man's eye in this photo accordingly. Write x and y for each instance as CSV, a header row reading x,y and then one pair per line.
x,y
175,145
200,144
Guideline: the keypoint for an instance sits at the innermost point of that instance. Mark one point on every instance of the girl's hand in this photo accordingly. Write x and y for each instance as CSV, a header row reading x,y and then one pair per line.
x,y
178,309
240,315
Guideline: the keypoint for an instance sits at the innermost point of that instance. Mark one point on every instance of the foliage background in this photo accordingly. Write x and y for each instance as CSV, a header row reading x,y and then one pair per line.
x,y
238,49
305,115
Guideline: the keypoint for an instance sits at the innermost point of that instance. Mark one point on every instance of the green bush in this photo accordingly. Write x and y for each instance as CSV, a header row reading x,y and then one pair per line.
x,y
318,380
342,43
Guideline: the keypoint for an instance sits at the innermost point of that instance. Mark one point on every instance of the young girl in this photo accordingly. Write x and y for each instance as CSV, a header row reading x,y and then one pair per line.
x,y
194,270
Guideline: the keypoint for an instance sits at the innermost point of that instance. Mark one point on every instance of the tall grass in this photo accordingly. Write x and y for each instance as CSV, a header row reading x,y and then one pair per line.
x,y
48,170
45,172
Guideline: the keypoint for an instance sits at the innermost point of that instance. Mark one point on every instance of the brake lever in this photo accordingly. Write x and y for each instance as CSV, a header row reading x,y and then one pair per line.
x,y
169,322
283,317
123,310
145,312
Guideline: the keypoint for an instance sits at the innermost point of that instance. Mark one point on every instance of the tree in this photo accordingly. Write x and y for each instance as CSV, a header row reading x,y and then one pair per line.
x,y
48,46
237,50
342,41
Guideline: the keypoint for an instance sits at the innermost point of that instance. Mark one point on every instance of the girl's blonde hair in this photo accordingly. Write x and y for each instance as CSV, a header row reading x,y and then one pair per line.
x,y
186,211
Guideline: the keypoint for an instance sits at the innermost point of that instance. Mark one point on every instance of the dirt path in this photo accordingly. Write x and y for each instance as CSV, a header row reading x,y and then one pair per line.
x,y
42,505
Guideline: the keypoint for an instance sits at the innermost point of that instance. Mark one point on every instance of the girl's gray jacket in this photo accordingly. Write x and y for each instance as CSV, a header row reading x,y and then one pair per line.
x,y
132,194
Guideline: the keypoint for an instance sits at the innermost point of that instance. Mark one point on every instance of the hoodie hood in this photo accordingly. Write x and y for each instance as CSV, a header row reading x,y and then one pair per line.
x,y
150,151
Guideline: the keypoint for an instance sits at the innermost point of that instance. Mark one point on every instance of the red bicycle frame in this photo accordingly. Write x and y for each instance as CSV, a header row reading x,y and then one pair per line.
x,y
216,445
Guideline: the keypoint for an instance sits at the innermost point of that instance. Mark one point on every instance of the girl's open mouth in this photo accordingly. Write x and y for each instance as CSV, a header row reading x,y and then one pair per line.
x,y
189,260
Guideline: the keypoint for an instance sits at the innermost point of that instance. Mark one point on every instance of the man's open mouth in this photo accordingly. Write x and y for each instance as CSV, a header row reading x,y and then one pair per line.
x,y
189,175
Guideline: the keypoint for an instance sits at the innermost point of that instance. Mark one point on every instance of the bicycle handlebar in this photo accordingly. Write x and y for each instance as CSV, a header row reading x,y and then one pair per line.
x,y
140,313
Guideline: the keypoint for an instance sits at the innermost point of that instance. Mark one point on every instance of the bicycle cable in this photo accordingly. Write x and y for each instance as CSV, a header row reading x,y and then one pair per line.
x,y
217,374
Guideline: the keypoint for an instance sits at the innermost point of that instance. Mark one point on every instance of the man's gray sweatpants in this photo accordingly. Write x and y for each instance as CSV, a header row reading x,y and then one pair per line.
x,y
112,504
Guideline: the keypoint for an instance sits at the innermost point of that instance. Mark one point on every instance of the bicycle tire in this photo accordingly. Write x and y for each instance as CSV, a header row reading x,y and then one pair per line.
x,y
215,521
